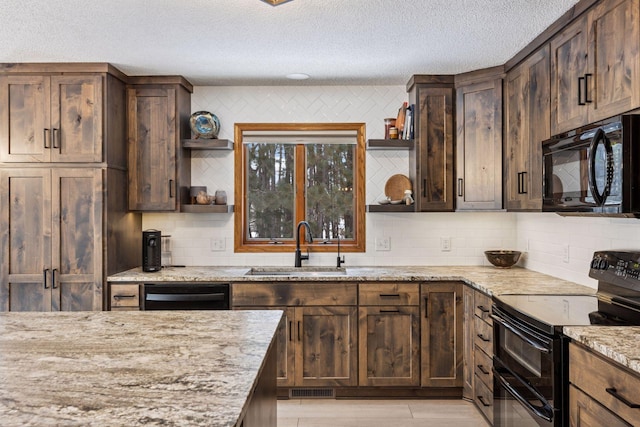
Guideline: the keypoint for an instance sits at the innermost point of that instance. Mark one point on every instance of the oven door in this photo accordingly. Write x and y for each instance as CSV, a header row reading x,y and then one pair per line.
x,y
525,384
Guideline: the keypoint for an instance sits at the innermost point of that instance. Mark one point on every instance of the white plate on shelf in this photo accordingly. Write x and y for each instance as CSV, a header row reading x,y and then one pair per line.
x,y
395,202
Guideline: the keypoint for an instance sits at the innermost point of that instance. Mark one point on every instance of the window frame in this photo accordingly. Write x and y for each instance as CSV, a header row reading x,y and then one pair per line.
x,y
241,244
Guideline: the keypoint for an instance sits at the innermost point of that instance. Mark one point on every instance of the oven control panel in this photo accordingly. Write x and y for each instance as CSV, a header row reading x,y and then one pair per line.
x,y
615,266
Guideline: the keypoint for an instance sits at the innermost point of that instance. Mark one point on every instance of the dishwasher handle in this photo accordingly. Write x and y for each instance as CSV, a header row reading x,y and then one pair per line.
x,y
218,296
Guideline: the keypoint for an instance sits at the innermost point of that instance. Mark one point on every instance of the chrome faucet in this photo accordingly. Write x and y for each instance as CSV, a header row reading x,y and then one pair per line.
x,y
299,256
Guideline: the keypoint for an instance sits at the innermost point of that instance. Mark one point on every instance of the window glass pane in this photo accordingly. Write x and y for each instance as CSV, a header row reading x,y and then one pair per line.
x,y
330,202
271,190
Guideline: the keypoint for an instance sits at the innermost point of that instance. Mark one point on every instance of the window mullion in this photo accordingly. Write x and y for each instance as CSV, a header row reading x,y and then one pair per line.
x,y
301,184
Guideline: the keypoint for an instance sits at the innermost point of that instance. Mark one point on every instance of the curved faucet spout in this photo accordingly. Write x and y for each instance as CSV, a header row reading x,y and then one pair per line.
x,y
299,256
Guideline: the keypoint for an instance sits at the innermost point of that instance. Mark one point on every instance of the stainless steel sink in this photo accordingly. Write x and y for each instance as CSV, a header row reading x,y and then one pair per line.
x,y
296,271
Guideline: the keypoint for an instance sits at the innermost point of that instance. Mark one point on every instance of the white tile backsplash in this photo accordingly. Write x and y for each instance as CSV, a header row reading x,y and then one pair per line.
x,y
415,238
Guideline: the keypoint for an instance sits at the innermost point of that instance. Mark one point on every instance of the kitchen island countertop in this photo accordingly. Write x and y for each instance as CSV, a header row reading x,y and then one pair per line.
x,y
187,368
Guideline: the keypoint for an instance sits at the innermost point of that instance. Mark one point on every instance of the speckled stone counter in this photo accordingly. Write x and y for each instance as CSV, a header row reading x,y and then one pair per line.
x,y
487,279
183,368
619,343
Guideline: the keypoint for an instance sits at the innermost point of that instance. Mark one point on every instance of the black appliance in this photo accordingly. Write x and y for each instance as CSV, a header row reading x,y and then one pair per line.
x,y
186,296
530,366
151,250
594,169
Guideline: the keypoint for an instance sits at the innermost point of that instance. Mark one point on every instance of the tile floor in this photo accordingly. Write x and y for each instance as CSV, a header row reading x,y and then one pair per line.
x,y
378,413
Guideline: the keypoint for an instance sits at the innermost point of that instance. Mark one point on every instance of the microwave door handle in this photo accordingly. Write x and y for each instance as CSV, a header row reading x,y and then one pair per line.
x,y
598,138
545,412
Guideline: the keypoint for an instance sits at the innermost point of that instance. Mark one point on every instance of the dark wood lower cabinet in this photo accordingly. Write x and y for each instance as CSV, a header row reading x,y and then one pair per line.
x,y
441,332
389,346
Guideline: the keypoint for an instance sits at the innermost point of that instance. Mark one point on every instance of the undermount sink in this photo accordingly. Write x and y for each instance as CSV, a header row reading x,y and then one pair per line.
x,y
296,271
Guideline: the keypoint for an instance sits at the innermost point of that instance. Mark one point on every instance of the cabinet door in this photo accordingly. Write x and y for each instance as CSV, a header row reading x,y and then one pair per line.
x,y
389,346
527,115
568,68
468,345
326,352
77,239
441,332
76,118
584,411
25,240
614,58
479,146
152,149
434,147
25,135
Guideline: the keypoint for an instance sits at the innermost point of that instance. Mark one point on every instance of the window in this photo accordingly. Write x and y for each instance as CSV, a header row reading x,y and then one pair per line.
x,y
290,172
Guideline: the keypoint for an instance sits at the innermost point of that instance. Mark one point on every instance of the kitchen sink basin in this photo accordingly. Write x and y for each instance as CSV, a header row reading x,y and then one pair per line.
x,y
296,271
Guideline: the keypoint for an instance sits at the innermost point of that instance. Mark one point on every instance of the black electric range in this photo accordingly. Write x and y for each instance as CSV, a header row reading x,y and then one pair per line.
x,y
530,363
617,301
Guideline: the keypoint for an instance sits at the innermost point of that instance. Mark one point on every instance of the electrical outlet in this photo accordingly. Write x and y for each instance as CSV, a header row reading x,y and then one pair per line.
x,y
383,243
445,244
217,245
528,245
565,254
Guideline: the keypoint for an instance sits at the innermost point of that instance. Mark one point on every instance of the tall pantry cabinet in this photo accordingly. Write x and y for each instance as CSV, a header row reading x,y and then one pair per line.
x,y
64,222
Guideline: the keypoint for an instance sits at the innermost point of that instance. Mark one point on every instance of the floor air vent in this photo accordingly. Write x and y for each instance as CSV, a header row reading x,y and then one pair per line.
x,y
312,393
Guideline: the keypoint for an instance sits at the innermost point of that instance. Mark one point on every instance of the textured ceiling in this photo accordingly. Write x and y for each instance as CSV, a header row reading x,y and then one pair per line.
x,y
249,42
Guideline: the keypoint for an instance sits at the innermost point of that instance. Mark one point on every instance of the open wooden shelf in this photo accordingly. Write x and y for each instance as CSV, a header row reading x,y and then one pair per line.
x,y
207,144
390,144
391,208
207,208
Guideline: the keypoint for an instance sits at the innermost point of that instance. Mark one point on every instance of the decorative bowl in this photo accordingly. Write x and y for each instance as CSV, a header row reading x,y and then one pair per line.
x,y
204,124
502,258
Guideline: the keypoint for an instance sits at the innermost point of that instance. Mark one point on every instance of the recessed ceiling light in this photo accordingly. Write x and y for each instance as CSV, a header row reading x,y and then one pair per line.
x,y
297,76
275,2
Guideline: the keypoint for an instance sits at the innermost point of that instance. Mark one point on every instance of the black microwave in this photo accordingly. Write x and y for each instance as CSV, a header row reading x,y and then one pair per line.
x,y
594,169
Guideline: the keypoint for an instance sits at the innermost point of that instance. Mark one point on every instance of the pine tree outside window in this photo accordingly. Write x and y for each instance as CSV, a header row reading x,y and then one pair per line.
x,y
294,172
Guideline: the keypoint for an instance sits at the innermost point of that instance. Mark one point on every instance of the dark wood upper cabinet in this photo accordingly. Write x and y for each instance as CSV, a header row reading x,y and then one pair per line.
x,y
51,118
527,109
159,167
595,66
431,161
479,144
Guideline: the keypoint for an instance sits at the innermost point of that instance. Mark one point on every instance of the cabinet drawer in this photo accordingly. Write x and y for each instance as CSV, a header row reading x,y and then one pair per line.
x,y
482,306
594,375
483,397
484,336
389,293
294,294
483,364
124,296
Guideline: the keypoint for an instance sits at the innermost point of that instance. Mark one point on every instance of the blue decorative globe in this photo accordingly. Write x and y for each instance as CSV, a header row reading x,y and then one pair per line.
x,y
204,124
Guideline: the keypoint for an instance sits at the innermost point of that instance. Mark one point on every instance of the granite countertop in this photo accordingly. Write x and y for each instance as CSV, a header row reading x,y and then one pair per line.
x,y
194,368
619,343
491,280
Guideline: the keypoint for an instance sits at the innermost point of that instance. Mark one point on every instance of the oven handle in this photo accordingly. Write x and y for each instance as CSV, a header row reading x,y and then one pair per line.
x,y
545,412
533,343
186,297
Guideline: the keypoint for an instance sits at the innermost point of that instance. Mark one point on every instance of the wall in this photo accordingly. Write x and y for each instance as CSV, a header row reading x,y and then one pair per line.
x,y
547,237
415,238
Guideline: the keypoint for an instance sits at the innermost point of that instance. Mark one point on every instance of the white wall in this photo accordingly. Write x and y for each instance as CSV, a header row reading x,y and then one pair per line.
x,y
415,238
546,237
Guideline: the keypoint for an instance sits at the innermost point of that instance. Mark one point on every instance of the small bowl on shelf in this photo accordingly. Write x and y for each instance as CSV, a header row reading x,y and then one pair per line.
x,y
503,258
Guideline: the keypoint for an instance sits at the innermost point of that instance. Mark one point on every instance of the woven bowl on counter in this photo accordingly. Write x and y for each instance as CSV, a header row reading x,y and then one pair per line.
x,y
503,258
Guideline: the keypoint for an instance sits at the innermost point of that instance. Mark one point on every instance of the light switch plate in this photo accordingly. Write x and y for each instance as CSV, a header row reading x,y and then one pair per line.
x,y
383,243
445,244
217,245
